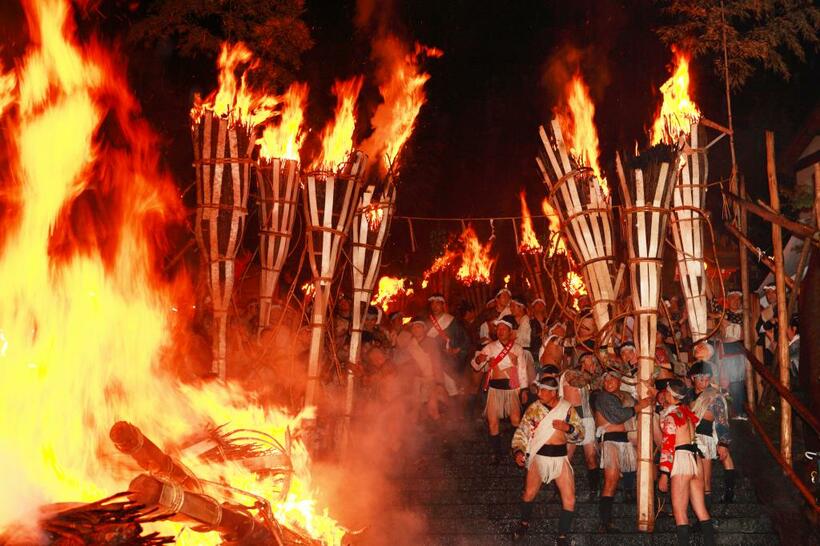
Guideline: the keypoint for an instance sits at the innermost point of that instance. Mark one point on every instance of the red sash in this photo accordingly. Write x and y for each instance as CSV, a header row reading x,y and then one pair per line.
x,y
439,329
495,361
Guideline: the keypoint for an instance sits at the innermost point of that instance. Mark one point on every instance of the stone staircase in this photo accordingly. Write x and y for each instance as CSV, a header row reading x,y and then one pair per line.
x,y
465,501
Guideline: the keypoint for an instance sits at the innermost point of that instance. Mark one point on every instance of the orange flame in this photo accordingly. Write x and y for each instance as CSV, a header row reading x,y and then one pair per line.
x,y
402,89
308,289
529,241
88,323
389,289
476,262
557,245
284,140
578,126
236,101
445,261
337,137
575,287
678,112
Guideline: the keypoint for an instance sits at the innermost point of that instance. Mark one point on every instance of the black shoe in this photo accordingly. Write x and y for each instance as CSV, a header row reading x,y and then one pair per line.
x,y
563,540
521,530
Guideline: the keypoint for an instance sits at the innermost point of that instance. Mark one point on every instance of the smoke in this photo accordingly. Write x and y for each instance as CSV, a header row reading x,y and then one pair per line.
x,y
566,62
374,15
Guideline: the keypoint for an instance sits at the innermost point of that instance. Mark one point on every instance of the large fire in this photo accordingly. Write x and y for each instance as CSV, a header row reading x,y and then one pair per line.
x,y
529,241
578,126
678,111
237,101
337,137
556,244
284,139
476,262
447,259
389,289
88,324
402,89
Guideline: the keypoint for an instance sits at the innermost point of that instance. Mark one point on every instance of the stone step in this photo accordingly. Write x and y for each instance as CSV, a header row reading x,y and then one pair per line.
x,y
655,539
581,525
582,509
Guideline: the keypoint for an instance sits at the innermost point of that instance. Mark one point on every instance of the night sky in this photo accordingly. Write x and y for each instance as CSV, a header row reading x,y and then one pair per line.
x,y
500,76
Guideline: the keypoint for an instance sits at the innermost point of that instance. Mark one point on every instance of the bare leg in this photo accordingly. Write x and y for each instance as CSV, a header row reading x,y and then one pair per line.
x,y
570,451
707,475
679,491
515,416
696,496
566,487
590,456
532,484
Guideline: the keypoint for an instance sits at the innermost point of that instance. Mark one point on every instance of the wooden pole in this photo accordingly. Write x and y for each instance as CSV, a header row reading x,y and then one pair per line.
x,y
798,228
782,319
765,260
748,325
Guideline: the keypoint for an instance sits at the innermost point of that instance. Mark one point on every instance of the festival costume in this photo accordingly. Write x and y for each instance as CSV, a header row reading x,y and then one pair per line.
x,y
449,334
549,460
502,394
616,449
583,382
710,432
678,460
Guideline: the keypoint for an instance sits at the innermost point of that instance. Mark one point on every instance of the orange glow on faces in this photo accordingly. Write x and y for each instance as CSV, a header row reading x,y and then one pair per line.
x,y
678,112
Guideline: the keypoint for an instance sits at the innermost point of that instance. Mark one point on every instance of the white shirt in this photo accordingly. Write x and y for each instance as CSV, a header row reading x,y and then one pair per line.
x,y
493,349
523,335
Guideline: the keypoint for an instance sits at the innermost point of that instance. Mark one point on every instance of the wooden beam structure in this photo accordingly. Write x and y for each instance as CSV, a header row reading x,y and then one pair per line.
x,y
748,325
782,319
773,215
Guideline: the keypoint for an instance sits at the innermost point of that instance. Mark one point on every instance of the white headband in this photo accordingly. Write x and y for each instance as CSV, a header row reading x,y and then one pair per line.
x,y
545,386
437,298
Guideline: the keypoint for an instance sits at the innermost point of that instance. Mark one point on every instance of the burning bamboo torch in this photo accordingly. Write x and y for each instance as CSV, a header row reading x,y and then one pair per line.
x,y
329,199
477,268
221,129
678,124
647,189
278,180
531,252
580,201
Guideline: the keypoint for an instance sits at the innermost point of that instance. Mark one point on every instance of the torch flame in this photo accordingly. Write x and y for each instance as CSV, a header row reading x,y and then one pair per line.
x,y
529,241
578,126
337,137
389,289
575,287
88,322
402,88
678,112
476,262
557,245
235,100
284,140
447,259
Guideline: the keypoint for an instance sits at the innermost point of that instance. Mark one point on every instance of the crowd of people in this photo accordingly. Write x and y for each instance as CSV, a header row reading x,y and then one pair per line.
x,y
561,387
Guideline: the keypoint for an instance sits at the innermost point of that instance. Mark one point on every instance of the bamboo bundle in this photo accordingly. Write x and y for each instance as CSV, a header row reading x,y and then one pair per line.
x,y
478,293
586,219
222,150
371,224
647,189
278,193
688,202
533,262
329,199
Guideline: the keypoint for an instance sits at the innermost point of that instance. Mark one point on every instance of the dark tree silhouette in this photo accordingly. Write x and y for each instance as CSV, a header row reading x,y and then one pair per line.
x,y
272,29
758,32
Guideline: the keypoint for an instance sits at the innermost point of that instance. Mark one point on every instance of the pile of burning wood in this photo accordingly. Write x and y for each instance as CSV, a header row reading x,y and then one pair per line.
x,y
168,491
